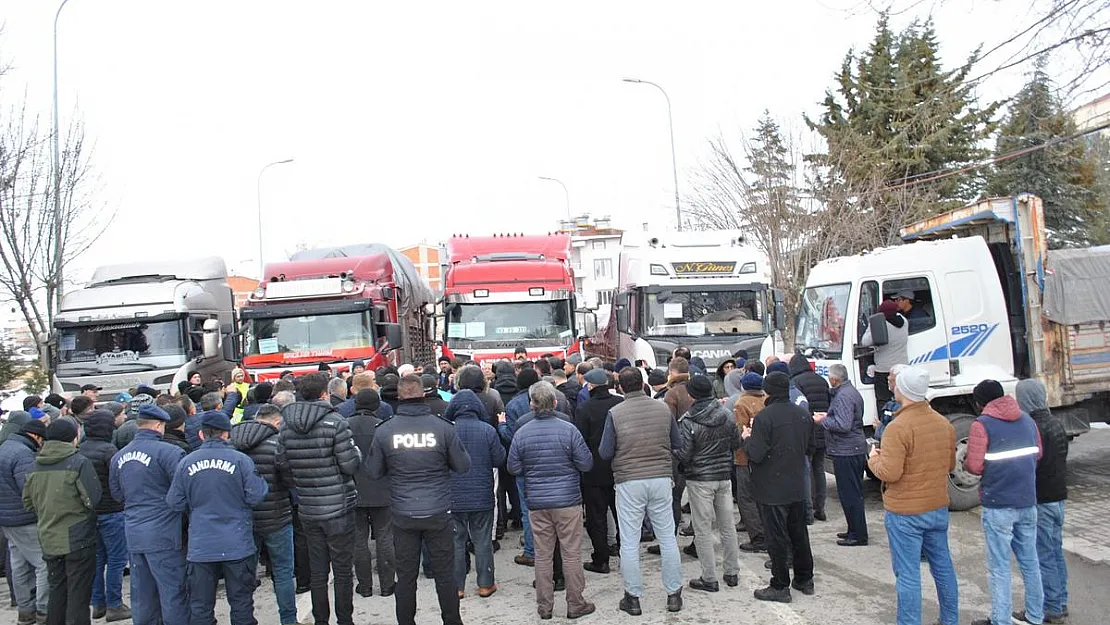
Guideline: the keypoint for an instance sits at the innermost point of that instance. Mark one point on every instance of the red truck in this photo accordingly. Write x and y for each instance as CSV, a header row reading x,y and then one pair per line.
x,y
507,291
334,306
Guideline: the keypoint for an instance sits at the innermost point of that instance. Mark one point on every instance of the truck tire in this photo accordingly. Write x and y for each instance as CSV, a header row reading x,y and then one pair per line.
x,y
963,487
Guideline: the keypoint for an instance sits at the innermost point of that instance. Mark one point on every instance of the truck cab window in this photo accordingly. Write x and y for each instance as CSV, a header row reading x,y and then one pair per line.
x,y
915,301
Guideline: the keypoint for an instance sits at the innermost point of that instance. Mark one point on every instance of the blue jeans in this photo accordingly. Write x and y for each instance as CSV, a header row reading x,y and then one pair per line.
x,y
1006,530
279,546
635,500
1050,552
529,545
111,558
908,535
477,527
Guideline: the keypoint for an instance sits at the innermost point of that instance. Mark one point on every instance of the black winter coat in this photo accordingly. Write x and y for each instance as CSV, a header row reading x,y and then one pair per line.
x,y
175,438
100,452
570,390
782,437
590,421
322,459
816,390
259,441
505,385
436,404
709,442
372,493
1052,468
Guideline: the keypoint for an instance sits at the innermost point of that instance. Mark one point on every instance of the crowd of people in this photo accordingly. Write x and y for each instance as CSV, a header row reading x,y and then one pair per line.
x,y
294,480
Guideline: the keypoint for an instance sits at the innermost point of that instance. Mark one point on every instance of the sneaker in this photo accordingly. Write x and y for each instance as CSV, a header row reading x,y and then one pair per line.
x,y
691,550
545,615
303,589
26,618
1020,616
983,621
122,613
687,531
387,591
589,608
770,593
524,560
630,605
674,602
40,618
804,588
851,542
753,548
486,591
1056,619
595,567
732,580
98,612
364,591
654,550
700,584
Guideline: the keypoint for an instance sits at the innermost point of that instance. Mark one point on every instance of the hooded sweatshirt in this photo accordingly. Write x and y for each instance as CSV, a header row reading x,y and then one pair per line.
x,y
1004,446
63,492
472,491
322,459
1052,468
259,441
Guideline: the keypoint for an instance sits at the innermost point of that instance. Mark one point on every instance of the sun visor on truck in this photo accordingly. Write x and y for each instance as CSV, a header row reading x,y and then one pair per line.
x,y
415,292
1075,286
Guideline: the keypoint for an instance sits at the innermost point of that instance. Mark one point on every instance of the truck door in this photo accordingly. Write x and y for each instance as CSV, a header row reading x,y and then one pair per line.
x,y
929,345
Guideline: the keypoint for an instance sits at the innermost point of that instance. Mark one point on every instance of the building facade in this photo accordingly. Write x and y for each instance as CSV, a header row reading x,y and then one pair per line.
x,y
595,255
429,263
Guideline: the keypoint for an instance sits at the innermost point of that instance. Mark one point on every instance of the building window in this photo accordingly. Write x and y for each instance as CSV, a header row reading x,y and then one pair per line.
x,y
603,268
604,298
599,244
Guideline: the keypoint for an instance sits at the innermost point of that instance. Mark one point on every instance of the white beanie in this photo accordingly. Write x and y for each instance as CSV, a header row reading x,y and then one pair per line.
x,y
913,383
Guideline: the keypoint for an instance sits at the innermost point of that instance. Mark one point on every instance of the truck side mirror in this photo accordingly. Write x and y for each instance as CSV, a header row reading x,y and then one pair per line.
x,y
211,331
780,316
392,334
877,324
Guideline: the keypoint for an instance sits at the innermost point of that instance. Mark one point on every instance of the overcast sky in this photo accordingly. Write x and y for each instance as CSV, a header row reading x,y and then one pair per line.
x,y
411,121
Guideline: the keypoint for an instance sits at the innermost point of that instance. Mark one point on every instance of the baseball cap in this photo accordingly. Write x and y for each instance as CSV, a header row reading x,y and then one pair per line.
x,y
91,387
36,413
55,400
904,295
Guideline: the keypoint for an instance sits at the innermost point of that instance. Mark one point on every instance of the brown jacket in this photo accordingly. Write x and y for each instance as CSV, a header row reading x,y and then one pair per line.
x,y
678,398
748,405
918,452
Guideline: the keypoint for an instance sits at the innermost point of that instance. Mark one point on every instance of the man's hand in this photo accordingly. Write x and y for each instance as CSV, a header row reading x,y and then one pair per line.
x,y
229,388
874,452
819,416
747,432
501,417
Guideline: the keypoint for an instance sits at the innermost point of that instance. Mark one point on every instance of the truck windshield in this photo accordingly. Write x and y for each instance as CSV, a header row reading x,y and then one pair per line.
x,y
510,321
697,313
121,347
310,332
821,318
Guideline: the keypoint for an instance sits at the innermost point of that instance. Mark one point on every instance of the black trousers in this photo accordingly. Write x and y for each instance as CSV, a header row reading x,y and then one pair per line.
x,y
676,497
849,487
238,582
882,390
437,532
331,549
71,578
301,571
374,522
787,539
507,495
598,500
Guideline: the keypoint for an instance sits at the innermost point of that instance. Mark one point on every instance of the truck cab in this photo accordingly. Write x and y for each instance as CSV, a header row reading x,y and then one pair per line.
x,y
705,290
149,323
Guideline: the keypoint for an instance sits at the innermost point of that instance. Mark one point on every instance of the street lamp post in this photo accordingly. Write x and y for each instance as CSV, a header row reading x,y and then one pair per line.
x,y
57,168
258,197
674,160
566,193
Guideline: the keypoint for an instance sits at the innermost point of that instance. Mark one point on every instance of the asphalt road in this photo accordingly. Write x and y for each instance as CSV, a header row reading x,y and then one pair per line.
x,y
855,586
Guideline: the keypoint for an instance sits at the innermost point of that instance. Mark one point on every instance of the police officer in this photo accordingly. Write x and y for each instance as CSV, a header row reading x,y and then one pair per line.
x,y
139,477
219,485
417,451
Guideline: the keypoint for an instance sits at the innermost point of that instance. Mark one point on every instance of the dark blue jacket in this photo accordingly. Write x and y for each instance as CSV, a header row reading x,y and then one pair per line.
x,y
192,422
139,477
473,491
17,459
219,486
347,409
418,451
549,453
518,407
844,424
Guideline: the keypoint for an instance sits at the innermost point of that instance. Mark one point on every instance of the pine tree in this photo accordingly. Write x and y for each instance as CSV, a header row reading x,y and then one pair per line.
x,y
895,116
1061,174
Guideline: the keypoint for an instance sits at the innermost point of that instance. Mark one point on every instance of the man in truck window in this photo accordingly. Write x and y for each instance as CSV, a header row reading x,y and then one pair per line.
x,y
918,318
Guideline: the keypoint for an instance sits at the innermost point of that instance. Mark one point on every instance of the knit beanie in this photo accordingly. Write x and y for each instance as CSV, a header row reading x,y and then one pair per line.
x,y
367,399
61,430
778,367
19,417
912,383
986,391
700,387
752,382
777,385
177,416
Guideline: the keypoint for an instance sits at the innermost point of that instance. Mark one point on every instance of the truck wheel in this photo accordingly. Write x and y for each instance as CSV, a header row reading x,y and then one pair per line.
x,y
963,486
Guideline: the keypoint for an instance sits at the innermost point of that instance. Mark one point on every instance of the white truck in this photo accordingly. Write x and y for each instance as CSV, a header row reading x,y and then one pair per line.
x,y
151,323
992,303
705,290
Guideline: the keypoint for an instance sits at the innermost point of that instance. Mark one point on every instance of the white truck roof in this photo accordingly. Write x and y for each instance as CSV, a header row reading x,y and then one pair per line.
x,y
206,268
890,262
685,258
